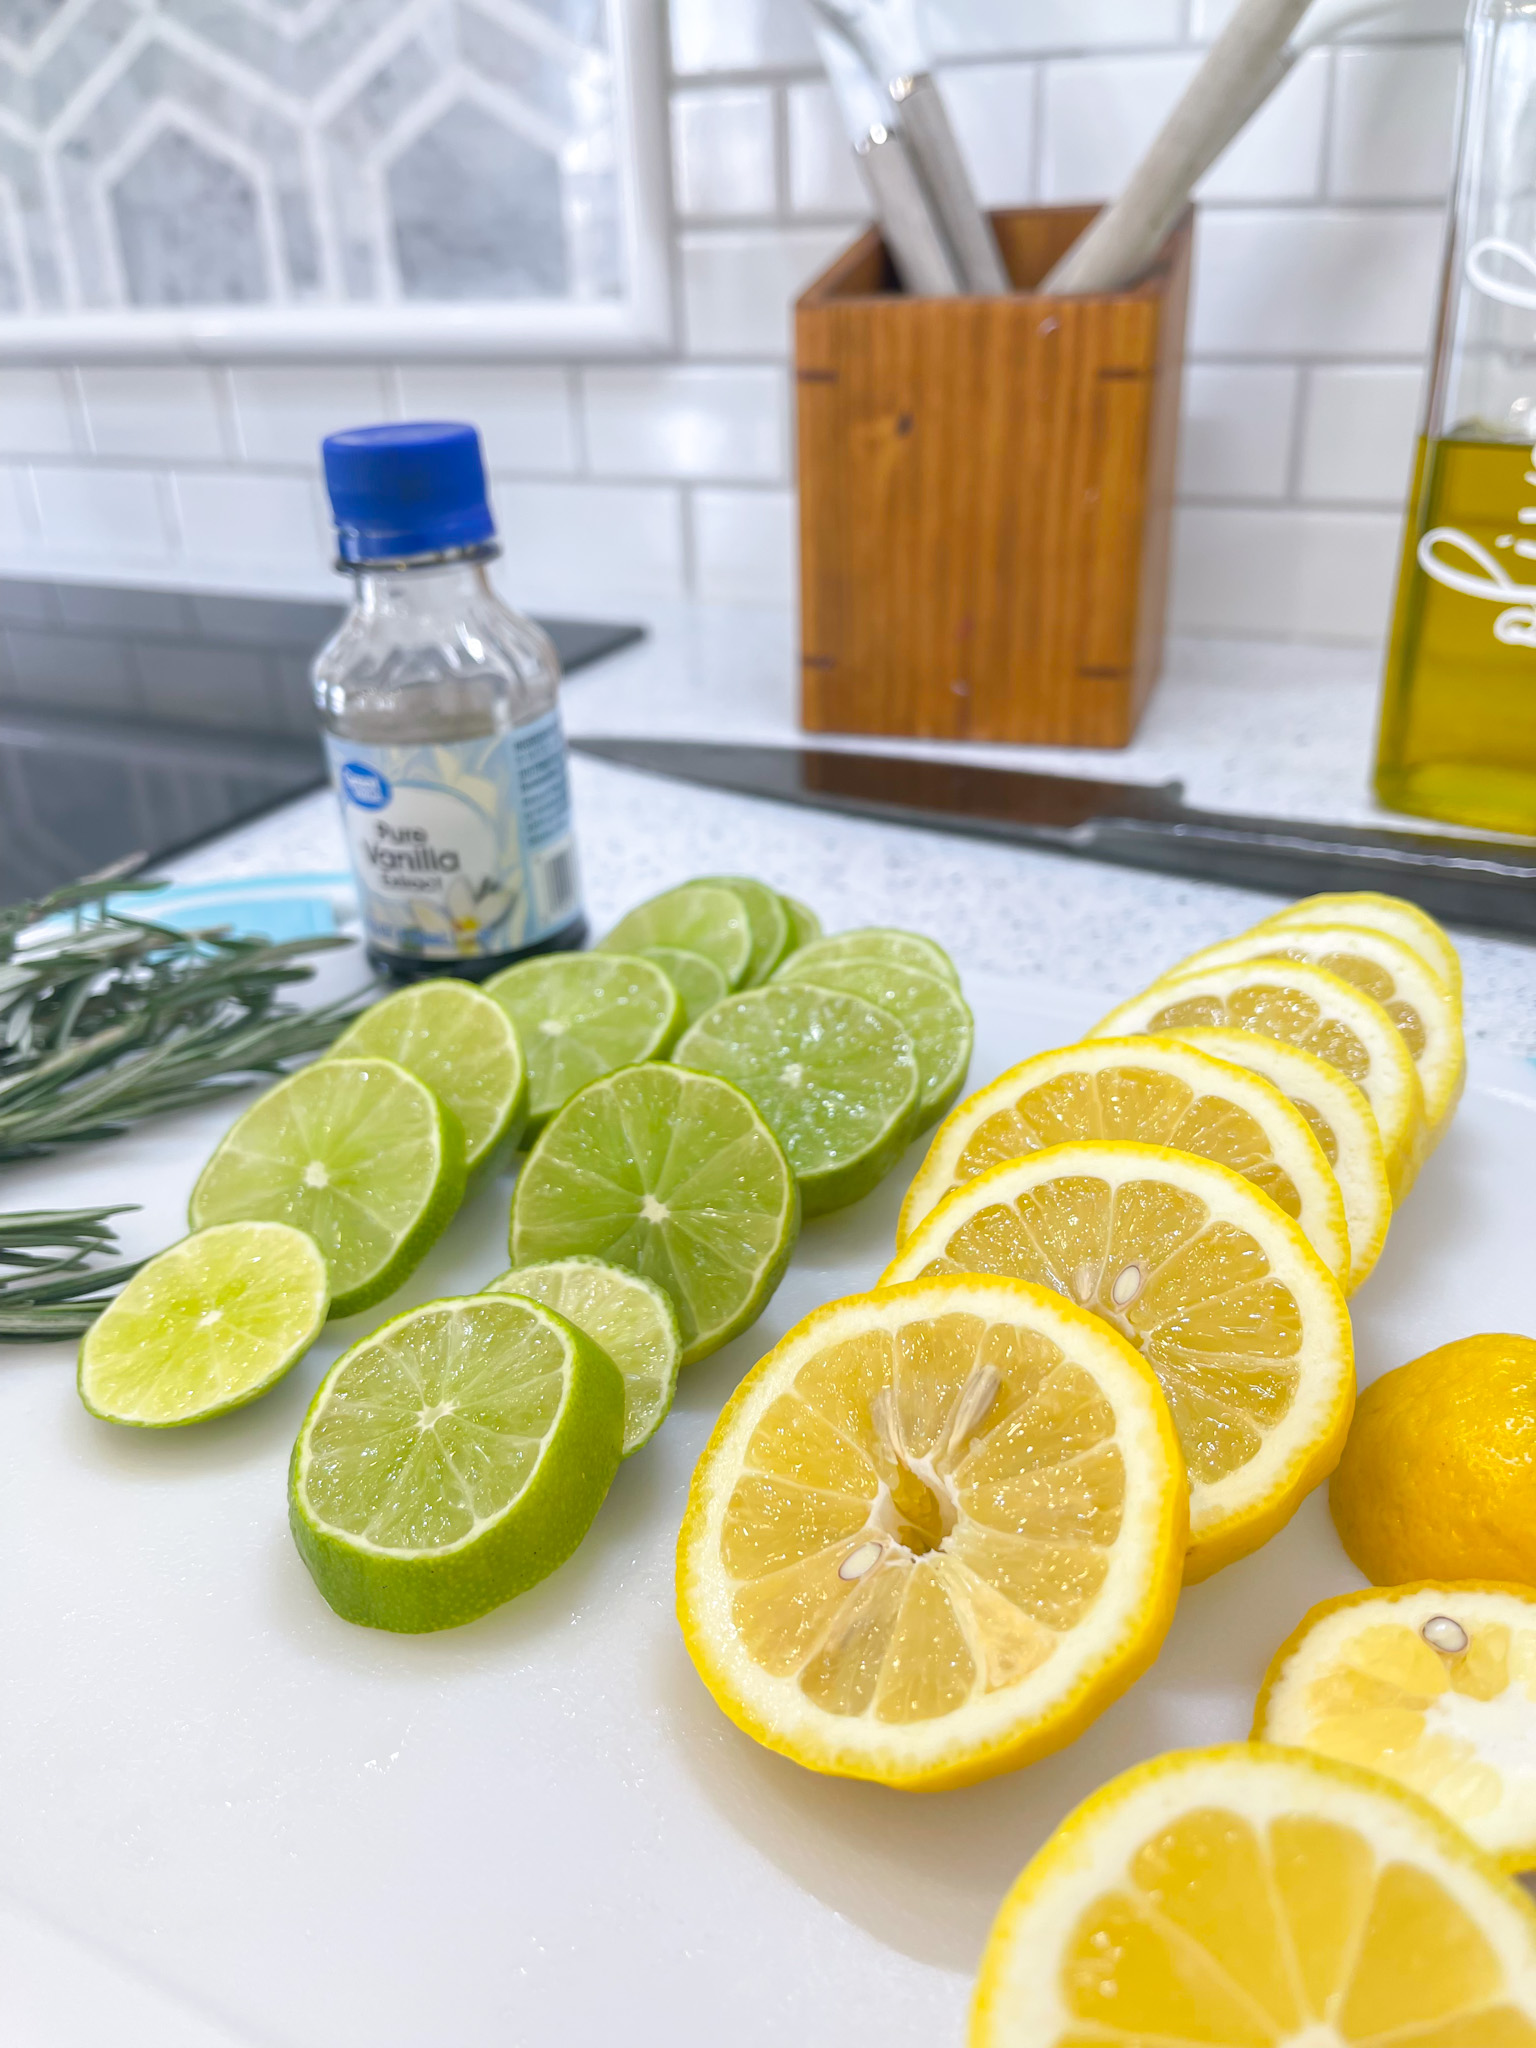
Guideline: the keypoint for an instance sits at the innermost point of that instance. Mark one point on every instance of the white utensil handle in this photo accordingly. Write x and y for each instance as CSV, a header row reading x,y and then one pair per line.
x,y
922,258
930,140
1244,64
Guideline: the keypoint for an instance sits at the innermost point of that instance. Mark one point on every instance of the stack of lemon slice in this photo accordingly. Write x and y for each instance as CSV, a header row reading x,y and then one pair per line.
x,y
913,1549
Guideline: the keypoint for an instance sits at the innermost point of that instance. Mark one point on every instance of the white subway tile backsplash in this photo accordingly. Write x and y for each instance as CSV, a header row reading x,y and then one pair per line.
x,y
688,421
284,411
1314,282
18,514
1286,573
102,514
1279,155
231,516
526,416
739,288
996,28
1361,430
823,177
1238,429
38,413
723,152
744,546
992,110
1098,115
1394,122
162,413
559,537
739,35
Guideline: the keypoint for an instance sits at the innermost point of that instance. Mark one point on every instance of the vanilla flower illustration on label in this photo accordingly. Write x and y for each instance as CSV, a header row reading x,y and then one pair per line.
x,y
460,850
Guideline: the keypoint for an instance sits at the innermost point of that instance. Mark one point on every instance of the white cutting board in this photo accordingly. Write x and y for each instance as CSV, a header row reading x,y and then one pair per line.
x,y
228,1817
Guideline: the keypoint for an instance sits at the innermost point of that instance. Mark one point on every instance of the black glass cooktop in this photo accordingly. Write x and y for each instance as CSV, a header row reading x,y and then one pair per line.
x,y
140,721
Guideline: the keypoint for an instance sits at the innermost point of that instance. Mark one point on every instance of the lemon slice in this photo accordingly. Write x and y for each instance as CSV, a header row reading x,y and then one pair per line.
x,y
1251,1897
1305,1006
1236,1314
935,1532
1412,994
1154,1092
1338,1116
1392,914
1434,1686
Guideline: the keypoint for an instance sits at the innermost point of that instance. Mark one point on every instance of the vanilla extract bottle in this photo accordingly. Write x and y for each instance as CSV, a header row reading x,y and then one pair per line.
x,y
440,712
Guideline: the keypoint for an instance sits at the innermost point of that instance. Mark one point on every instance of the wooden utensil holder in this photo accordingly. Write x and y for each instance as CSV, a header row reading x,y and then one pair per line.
x,y
985,496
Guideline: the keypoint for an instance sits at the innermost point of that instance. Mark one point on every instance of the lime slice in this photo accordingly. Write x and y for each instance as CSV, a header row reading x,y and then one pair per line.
x,y
357,1153
768,921
931,1012
462,1044
880,942
205,1327
452,1459
701,917
630,1318
699,982
580,1015
804,924
836,1077
675,1176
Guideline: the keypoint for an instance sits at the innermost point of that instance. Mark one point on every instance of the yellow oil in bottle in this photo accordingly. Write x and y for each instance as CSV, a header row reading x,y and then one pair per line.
x,y
1458,731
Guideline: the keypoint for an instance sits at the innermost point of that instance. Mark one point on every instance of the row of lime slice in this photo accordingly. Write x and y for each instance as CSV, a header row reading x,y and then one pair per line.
x,y
652,1222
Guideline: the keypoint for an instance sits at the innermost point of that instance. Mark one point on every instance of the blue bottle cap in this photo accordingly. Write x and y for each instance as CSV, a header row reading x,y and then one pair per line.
x,y
412,488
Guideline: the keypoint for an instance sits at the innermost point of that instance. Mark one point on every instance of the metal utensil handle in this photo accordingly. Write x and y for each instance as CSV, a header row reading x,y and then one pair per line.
x,y
930,140
922,258
1243,66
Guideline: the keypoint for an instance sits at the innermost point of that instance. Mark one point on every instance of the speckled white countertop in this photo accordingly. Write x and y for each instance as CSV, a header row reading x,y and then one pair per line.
x,y
1279,730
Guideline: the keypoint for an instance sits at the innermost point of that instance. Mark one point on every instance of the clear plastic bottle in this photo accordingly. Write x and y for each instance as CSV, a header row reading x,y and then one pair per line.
x,y
442,727
1458,726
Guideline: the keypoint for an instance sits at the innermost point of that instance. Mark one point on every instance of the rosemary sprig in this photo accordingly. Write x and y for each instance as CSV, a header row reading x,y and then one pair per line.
x,y
51,1291
106,1018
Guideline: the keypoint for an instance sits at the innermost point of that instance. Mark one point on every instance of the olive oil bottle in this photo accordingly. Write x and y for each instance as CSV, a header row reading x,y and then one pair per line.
x,y
1458,724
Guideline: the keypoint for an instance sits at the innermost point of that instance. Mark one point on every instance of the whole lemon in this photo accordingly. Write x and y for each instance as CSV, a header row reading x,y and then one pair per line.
x,y
1438,1477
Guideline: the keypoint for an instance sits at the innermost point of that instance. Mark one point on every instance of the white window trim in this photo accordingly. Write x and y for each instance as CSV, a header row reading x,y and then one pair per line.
x,y
639,323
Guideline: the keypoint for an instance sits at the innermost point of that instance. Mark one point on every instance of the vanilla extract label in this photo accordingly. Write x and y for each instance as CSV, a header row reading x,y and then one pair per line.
x,y
463,849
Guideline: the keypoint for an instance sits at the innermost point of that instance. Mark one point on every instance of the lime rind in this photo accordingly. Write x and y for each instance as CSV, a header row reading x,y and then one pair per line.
x,y
932,1012
804,924
463,1045
835,1076
675,1176
208,1326
359,1155
582,1015
628,1316
698,981
768,920
700,917
885,942
434,1373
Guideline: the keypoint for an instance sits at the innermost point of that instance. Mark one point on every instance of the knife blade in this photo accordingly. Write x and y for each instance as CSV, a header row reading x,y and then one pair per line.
x,y
1485,882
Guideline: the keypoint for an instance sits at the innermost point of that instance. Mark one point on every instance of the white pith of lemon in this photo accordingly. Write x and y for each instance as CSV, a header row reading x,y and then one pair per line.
x,y
1394,914
1432,1685
1338,1116
1305,1006
1256,1897
935,1532
1153,1092
1244,1326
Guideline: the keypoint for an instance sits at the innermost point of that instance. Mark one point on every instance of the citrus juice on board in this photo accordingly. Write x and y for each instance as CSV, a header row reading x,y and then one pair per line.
x,y
1458,722
1458,736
